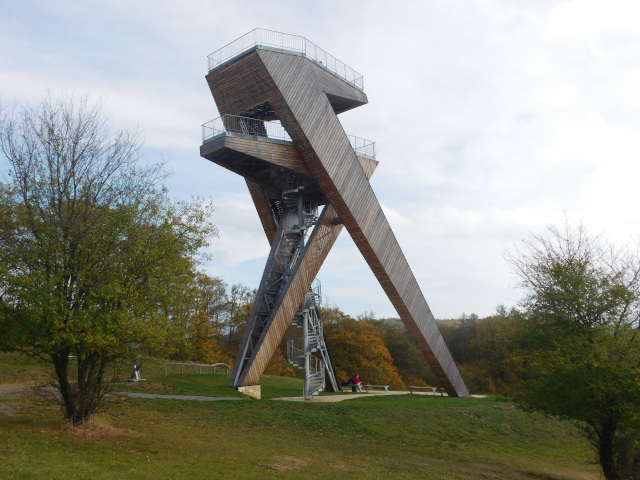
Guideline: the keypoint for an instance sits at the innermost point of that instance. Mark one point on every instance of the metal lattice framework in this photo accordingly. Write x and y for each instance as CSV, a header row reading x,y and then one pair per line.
x,y
291,169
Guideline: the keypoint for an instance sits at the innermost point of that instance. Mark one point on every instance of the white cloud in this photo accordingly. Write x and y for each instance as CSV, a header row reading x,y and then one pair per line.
x,y
241,237
491,119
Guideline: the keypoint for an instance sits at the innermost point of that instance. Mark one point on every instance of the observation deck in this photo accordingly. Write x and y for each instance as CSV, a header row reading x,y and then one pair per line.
x,y
263,152
284,43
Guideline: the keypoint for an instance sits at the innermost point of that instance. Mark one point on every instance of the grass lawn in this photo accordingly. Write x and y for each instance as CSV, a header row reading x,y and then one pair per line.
x,y
16,368
397,437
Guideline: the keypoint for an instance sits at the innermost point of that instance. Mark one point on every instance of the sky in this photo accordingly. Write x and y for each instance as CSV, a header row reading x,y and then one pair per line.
x,y
492,119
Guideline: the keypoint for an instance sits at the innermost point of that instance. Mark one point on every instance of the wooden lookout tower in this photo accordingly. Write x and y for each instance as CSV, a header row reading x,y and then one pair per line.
x,y
279,97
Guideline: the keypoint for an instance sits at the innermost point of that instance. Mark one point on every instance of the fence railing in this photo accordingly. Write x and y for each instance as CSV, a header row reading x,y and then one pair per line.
x,y
273,129
215,366
287,43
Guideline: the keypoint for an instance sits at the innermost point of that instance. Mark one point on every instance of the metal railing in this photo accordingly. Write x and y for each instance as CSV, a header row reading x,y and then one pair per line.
x,y
272,129
294,349
245,126
316,380
215,366
284,42
363,147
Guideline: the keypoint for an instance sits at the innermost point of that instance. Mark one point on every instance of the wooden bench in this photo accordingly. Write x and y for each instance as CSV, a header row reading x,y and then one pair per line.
x,y
433,389
367,387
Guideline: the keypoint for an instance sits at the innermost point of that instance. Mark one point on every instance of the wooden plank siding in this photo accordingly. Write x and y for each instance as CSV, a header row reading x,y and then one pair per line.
x,y
285,156
300,93
264,210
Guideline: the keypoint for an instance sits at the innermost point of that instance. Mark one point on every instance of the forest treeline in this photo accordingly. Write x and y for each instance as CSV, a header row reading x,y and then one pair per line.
x,y
208,323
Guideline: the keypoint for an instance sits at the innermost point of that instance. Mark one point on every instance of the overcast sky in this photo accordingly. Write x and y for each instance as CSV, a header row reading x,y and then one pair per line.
x,y
491,120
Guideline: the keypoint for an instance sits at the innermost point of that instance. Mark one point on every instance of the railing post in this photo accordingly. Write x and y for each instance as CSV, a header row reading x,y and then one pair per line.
x,y
305,352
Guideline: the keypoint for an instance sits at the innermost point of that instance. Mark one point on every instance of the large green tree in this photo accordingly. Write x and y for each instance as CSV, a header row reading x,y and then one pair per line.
x,y
583,310
91,246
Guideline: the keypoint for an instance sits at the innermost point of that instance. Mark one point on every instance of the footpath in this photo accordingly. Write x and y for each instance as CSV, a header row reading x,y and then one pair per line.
x,y
18,390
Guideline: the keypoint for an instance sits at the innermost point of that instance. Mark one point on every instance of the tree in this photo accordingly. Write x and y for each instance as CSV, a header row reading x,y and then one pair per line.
x,y
458,334
583,308
91,245
195,327
238,309
496,353
407,357
356,347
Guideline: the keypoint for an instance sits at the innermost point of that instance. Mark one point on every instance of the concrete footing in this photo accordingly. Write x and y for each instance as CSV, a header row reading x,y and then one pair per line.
x,y
251,391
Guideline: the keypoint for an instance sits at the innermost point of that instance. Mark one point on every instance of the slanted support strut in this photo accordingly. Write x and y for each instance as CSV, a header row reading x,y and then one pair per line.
x,y
287,251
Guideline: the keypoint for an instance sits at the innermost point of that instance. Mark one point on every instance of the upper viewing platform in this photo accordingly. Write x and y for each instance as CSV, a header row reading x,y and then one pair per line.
x,y
285,43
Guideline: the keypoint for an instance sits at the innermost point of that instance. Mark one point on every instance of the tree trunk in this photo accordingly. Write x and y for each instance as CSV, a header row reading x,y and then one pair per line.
x,y
91,369
81,401
605,451
61,362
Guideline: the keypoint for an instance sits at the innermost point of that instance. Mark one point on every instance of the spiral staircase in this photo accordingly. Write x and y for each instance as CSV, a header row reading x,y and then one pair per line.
x,y
310,353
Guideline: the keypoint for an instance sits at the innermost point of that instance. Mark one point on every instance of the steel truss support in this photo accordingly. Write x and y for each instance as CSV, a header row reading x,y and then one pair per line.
x,y
296,217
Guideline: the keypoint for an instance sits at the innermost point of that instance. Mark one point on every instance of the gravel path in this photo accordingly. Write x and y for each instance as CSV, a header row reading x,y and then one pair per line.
x,y
177,397
19,390
348,396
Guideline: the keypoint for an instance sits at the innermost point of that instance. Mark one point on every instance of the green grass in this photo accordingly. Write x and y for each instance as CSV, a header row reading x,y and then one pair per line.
x,y
16,368
396,437
211,385
205,384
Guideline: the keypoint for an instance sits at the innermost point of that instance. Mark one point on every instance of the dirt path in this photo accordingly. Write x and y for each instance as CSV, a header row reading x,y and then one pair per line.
x,y
15,390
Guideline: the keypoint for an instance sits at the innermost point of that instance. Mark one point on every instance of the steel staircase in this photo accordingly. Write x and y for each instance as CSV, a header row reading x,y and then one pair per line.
x,y
310,353
296,218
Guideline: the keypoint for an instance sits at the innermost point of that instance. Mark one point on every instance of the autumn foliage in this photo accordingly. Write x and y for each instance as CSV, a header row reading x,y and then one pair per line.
x,y
357,347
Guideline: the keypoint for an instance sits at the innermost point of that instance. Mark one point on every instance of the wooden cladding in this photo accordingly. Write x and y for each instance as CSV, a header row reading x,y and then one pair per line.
x,y
304,98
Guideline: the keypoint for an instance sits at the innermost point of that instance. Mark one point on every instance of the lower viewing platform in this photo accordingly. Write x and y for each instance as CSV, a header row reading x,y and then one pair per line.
x,y
263,152
272,131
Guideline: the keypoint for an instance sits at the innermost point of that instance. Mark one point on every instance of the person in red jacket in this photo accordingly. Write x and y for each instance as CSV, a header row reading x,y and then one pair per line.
x,y
356,382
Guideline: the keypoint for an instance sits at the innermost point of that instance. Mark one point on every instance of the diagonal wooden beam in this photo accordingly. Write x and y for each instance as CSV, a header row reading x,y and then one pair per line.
x,y
308,116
